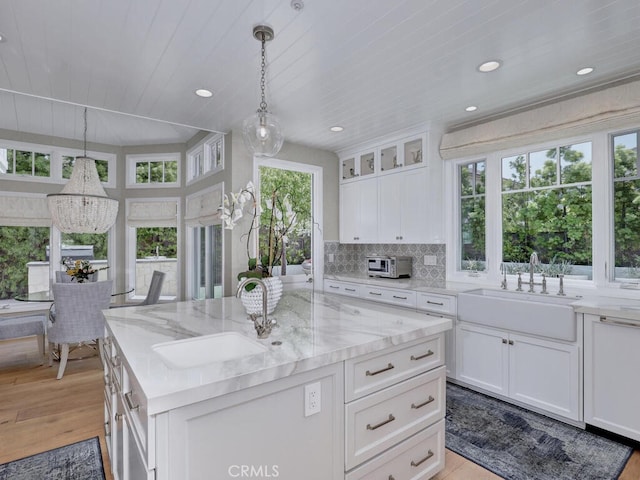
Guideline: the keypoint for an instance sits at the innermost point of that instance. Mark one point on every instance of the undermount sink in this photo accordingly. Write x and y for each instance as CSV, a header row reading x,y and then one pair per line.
x,y
537,314
197,351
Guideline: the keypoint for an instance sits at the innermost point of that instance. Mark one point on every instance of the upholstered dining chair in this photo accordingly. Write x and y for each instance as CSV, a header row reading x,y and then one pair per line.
x,y
78,317
153,295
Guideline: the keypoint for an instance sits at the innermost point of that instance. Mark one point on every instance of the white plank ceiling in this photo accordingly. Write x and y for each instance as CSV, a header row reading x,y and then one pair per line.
x,y
372,66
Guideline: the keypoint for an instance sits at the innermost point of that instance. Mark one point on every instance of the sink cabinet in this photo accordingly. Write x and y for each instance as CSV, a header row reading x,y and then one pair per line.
x,y
537,372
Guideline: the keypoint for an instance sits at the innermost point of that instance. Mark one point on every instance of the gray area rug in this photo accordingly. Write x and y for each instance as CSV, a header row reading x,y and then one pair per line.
x,y
521,445
78,461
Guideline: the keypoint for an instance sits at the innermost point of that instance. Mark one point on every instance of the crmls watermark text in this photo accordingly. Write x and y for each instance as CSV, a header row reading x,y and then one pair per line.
x,y
253,471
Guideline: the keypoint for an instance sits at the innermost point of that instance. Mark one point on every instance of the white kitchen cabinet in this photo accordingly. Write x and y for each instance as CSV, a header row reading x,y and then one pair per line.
x,y
400,297
359,211
361,164
342,288
394,409
538,372
445,306
262,427
611,360
402,207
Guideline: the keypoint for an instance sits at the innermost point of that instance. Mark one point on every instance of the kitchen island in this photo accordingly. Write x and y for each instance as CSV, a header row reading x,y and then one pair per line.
x,y
324,400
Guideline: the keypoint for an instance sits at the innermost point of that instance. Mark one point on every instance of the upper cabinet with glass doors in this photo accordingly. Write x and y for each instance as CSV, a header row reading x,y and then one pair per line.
x,y
408,152
359,165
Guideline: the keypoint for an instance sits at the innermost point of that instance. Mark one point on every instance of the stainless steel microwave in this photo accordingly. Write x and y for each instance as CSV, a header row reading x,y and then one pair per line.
x,y
389,266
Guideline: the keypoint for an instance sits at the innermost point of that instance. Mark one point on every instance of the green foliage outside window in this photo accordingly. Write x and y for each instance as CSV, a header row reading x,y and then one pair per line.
x,y
18,246
542,214
164,171
102,166
298,186
152,241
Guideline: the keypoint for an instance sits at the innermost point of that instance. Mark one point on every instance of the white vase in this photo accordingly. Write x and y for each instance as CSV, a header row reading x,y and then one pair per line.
x,y
252,300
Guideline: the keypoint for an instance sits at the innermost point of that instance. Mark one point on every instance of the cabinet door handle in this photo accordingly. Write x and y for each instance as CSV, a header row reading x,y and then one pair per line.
x,y
510,342
384,422
130,405
435,303
387,368
426,402
375,293
504,340
629,323
419,462
424,355
399,298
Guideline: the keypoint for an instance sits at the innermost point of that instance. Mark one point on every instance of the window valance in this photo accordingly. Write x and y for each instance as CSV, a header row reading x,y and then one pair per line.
x,y
202,208
614,107
148,213
24,211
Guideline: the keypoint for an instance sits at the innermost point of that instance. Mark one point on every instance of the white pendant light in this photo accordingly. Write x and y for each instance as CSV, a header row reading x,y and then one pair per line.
x,y
261,132
83,206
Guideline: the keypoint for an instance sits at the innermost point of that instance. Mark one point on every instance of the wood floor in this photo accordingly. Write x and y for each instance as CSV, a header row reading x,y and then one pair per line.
x,y
38,412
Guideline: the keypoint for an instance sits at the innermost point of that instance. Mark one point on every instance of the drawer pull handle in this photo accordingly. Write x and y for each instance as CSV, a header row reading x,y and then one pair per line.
x,y
369,373
399,298
118,416
115,363
420,357
435,303
630,323
350,289
333,286
419,462
391,477
130,405
384,422
426,402
375,293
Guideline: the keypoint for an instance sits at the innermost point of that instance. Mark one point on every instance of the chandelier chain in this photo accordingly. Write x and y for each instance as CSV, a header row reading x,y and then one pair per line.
x,y
263,69
84,135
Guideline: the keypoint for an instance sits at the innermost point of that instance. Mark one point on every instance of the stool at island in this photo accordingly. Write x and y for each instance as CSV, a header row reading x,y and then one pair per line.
x,y
16,327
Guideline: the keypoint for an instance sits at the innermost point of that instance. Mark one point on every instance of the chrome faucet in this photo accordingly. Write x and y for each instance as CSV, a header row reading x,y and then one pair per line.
x,y
263,327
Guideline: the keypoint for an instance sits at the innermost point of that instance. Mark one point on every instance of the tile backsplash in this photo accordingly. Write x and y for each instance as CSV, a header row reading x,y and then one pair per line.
x,y
351,258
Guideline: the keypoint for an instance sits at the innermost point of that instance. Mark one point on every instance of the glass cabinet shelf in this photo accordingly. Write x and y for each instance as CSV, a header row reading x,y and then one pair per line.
x,y
367,164
348,168
389,158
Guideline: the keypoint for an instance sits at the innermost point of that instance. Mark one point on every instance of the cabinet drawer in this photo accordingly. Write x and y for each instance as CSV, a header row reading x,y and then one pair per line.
x,y
381,420
375,371
135,406
403,298
433,302
418,457
341,288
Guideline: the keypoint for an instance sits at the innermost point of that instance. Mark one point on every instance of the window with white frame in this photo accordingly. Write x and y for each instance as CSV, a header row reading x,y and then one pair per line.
x,y
24,162
472,216
626,205
546,208
48,163
152,244
205,243
153,169
206,158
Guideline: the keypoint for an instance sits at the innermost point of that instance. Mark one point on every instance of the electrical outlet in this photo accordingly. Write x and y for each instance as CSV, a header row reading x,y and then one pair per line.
x,y
430,260
331,258
312,399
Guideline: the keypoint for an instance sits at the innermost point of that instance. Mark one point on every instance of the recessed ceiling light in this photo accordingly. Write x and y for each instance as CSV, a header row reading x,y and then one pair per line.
x,y
2,37
336,128
204,93
471,108
489,66
584,71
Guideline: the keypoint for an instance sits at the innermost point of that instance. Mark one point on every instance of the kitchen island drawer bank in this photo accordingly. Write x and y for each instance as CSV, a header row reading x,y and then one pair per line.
x,y
283,412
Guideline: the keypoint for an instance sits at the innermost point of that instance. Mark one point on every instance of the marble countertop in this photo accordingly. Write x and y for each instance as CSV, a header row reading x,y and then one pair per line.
x,y
450,288
314,330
